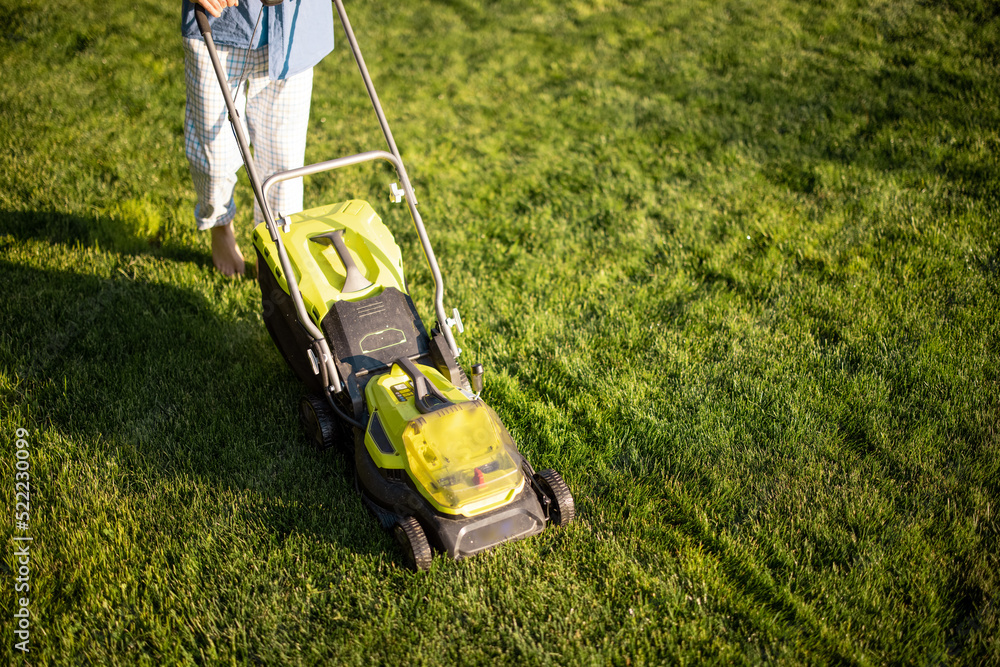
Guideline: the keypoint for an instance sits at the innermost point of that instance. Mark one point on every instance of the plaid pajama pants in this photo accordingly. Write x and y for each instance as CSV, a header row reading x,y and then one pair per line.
x,y
274,114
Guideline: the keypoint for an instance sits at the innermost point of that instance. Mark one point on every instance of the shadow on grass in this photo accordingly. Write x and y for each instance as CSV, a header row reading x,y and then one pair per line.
x,y
181,396
119,233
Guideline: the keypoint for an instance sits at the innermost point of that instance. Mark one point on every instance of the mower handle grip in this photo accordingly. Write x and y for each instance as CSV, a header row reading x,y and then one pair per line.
x,y
201,16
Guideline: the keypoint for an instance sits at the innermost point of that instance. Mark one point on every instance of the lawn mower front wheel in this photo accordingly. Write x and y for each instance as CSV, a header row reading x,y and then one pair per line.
x,y
412,539
562,509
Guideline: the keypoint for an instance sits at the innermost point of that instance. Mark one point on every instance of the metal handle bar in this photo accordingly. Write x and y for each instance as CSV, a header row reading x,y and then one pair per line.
x,y
411,199
314,332
411,202
260,191
337,163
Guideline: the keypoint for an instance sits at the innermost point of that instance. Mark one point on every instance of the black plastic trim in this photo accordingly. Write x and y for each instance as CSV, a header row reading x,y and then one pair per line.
x,y
457,536
381,440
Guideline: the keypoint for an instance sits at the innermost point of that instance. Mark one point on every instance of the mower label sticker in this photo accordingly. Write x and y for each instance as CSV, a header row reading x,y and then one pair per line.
x,y
380,340
403,391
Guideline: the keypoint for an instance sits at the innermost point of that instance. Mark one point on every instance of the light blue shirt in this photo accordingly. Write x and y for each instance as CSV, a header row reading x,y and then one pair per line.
x,y
298,33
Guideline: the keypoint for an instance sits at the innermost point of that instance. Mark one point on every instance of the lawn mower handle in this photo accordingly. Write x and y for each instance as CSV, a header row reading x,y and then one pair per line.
x,y
318,339
201,16
411,202
444,322
393,156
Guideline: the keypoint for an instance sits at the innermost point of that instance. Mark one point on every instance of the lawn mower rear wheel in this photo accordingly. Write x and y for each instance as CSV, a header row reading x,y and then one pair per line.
x,y
318,421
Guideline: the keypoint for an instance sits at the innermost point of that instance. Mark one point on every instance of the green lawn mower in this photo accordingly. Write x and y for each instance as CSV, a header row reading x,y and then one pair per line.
x,y
432,461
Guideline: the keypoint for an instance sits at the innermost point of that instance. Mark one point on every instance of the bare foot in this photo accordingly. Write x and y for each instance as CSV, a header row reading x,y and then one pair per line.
x,y
225,253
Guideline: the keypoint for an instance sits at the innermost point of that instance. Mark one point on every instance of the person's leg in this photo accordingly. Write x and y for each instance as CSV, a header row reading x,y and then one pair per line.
x,y
278,116
211,149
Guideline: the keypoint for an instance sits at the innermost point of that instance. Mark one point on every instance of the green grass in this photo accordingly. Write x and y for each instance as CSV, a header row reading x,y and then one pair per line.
x,y
732,268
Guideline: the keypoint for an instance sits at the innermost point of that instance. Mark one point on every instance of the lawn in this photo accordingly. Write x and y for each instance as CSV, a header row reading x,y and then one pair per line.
x,y
733,268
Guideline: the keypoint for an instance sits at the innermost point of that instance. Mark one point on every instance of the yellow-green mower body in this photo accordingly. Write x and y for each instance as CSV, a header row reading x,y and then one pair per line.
x,y
432,461
426,448
319,270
